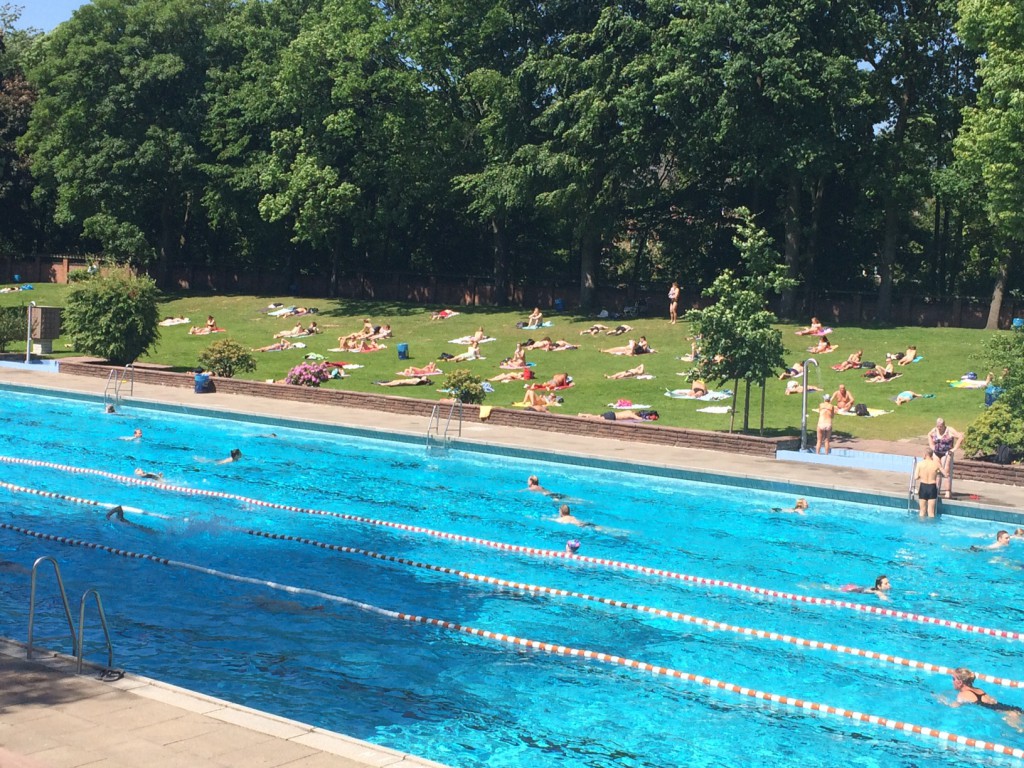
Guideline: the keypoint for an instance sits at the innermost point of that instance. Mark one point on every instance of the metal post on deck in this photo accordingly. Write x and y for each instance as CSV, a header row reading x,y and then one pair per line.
x,y
803,418
28,333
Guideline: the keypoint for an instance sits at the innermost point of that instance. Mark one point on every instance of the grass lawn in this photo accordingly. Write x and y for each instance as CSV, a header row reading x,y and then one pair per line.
x,y
948,354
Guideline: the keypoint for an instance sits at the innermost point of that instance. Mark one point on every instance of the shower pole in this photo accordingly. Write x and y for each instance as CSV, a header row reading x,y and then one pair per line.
x,y
803,418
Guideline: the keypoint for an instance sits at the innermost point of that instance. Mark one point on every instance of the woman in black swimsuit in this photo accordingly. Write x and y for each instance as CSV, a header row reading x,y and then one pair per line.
x,y
966,693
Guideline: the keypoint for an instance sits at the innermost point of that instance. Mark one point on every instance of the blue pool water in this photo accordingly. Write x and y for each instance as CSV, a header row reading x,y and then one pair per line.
x,y
474,701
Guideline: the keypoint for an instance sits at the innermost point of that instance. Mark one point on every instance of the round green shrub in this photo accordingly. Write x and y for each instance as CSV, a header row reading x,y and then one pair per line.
x,y
465,386
226,358
997,426
114,317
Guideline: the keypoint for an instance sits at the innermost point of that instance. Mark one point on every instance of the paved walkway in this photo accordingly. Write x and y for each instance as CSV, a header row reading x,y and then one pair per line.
x,y
50,718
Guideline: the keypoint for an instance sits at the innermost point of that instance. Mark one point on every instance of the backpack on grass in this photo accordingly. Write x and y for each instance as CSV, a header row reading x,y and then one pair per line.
x,y
861,410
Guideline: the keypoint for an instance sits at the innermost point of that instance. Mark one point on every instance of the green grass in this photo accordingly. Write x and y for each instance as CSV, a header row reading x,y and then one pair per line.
x,y
948,354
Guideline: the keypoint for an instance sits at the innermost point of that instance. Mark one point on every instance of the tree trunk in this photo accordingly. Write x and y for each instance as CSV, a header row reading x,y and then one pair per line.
x,y
746,405
883,306
764,390
590,249
791,217
814,234
732,413
995,308
501,296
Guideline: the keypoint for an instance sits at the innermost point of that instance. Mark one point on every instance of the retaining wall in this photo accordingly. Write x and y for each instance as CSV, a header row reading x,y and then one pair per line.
x,y
749,445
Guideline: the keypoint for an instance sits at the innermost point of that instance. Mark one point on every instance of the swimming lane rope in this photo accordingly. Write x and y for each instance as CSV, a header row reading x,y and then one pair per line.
x,y
538,552
552,648
760,634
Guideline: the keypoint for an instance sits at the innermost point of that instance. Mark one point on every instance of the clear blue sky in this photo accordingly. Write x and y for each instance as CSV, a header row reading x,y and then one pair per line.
x,y
45,14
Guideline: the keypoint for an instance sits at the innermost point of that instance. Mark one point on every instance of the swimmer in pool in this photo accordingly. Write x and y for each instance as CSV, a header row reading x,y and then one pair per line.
x,y
533,484
137,434
966,693
572,546
566,516
1002,540
118,514
235,455
799,508
140,472
882,585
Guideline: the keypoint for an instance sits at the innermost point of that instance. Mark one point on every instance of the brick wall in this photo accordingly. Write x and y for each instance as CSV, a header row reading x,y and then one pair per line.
x,y
749,445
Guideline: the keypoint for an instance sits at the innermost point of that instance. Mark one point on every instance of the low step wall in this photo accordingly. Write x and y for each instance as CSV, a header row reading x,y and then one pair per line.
x,y
748,445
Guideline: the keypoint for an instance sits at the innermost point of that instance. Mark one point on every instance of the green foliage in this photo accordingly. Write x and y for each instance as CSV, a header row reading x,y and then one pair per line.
x,y
12,325
113,317
465,386
226,358
998,425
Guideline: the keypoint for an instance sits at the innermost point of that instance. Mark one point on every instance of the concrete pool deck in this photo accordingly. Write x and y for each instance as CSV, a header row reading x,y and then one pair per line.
x,y
51,718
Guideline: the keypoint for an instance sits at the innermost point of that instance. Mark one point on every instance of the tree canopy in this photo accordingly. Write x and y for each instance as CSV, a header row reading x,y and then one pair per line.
x,y
605,143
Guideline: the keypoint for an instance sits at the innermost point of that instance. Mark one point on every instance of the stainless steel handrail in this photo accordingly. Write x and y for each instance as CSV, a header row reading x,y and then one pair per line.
x,y
81,629
63,598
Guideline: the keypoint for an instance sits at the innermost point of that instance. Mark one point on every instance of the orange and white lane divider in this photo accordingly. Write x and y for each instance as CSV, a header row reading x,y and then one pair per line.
x,y
538,552
760,634
552,648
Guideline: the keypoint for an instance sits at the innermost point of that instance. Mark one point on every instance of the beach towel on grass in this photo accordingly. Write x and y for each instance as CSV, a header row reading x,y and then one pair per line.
x,y
967,384
819,332
715,409
549,388
353,351
684,394
627,406
545,324
464,340
507,367
871,411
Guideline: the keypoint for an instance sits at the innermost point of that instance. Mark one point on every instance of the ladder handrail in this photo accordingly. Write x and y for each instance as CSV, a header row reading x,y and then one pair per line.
x,y
81,628
912,492
64,600
451,412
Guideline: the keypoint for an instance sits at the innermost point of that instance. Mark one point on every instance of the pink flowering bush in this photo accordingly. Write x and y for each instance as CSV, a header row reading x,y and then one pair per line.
x,y
308,374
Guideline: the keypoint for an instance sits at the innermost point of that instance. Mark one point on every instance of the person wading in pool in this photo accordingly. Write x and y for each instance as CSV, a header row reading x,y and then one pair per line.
x,y
926,473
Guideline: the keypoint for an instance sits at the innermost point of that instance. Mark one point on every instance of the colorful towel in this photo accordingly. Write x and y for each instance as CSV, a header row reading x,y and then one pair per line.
x,y
625,405
968,384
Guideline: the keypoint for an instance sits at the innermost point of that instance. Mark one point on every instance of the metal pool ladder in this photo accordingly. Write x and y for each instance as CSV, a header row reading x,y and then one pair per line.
x,y
434,426
911,491
77,640
116,379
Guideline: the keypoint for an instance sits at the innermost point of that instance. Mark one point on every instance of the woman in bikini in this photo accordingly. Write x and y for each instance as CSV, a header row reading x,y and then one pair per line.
x,y
882,585
426,370
853,361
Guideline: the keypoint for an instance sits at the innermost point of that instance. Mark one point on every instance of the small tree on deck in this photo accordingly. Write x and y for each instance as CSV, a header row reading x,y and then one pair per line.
x,y
738,341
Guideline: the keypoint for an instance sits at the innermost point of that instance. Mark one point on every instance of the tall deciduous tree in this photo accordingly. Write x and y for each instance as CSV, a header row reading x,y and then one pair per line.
x,y
775,90
991,144
21,224
115,133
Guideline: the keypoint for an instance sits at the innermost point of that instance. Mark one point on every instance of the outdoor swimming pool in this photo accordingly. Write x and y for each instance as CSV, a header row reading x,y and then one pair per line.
x,y
310,653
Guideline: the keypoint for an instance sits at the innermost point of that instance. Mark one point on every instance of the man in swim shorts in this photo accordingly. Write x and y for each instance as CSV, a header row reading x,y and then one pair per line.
x,y
926,473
